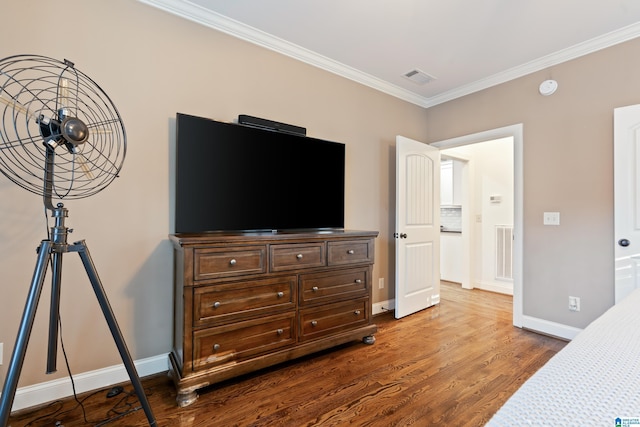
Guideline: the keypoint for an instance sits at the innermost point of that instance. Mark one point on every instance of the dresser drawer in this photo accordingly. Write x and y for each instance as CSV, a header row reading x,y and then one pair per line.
x,y
333,285
297,255
213,263
350,252
333,318
242,340
220,303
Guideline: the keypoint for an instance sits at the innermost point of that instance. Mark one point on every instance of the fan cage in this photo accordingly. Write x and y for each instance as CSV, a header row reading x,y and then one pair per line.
x,y
36,94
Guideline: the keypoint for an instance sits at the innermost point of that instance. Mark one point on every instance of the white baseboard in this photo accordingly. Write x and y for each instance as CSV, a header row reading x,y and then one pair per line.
x,y
550,328
383,306
38,394
498,287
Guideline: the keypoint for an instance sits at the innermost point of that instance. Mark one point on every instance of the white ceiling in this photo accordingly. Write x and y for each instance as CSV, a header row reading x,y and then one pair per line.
x,y
467,45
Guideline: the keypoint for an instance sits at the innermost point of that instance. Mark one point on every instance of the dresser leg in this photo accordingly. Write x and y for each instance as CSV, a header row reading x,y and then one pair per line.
x,y
186,397
369,339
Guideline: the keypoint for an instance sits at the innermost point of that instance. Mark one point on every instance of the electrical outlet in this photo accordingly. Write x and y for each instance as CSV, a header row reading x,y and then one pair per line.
x,y
574,303
551,218
381,283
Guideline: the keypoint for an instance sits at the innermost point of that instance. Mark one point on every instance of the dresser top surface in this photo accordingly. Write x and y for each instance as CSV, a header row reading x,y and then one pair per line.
x,y
185,239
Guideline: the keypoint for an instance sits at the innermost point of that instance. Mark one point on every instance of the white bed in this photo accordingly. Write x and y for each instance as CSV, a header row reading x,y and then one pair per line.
x,y
593,381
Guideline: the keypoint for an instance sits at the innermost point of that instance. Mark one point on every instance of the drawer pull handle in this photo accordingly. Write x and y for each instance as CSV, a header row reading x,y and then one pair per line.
x,y
350,252
357,312
233,262
299,256
280,331
315,289
280,294
216,304
358,280
314,323
216,347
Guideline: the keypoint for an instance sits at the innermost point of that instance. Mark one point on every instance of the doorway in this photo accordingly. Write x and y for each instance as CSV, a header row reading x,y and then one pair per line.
x,y
480,217
515,132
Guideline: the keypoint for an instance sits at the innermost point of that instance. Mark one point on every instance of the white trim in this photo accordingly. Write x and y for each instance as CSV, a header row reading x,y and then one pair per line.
x,y
383,306
48,391
550,328
581,49
195,13
500,288
517,132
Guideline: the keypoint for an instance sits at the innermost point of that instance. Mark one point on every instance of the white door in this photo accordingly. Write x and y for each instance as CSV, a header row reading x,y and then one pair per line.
x,y
627,199
417,233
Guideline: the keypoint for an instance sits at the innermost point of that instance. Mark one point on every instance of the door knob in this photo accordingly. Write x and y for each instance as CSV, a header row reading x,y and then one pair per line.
x,y
624,242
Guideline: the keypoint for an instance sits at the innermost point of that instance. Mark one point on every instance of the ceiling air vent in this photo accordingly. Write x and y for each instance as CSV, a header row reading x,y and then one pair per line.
x,y
418,77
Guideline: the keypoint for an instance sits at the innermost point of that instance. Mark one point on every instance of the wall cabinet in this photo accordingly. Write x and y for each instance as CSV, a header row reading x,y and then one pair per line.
x,y
245,301
450,183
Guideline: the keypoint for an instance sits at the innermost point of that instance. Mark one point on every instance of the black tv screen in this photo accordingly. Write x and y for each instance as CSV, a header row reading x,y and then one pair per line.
x,y
232,177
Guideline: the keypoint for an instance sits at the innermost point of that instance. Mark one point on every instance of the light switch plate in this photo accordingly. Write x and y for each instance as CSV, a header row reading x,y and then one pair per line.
x,y
551,218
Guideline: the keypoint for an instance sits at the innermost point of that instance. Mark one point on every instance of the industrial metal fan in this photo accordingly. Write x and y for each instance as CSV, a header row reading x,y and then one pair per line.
x,y
61,137
54,116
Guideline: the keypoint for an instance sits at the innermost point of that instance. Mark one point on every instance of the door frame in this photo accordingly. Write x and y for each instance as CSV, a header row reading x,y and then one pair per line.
x,y
517,133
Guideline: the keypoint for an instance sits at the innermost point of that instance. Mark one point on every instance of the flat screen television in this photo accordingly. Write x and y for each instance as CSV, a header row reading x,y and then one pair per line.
x,y
232,177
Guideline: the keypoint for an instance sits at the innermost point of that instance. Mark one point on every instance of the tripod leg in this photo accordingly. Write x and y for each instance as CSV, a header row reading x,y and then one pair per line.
x,y
54,311
83,251
24,331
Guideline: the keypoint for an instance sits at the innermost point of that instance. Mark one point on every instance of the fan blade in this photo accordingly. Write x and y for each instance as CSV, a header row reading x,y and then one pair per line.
x,y
63,98
63,89
82,161
101,131
12,103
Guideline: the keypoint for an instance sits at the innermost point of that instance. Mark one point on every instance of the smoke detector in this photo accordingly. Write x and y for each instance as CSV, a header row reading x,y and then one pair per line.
x,y
418,77
548,87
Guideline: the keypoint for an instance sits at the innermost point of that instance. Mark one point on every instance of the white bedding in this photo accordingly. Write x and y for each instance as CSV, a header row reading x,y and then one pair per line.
x,y
593,381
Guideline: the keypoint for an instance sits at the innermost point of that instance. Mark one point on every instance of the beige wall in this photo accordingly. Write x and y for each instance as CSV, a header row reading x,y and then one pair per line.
x,y
153,65
568,167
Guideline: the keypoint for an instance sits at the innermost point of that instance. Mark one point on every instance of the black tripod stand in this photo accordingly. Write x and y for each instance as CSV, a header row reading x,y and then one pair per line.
x,y
52,250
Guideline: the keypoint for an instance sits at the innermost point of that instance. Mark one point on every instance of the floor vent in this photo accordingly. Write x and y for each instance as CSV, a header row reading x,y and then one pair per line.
x,y
504,252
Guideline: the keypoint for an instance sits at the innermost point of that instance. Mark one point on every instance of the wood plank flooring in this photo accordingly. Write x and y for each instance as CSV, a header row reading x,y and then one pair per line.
x,y
453,364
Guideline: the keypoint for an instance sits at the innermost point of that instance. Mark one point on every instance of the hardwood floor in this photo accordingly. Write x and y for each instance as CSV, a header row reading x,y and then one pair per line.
x,y
452,364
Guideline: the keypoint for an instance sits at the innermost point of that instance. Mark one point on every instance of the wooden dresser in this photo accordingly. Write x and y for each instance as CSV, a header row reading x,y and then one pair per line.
x,y
246,301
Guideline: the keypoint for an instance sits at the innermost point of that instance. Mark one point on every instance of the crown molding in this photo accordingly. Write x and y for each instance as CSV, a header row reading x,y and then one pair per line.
x,y
607,40
195,13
